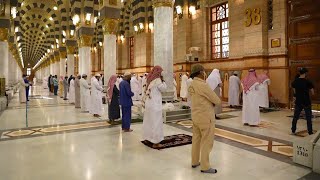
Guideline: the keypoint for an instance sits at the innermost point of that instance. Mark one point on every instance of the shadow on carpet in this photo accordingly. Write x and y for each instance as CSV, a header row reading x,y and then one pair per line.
x,y
171,141
268,110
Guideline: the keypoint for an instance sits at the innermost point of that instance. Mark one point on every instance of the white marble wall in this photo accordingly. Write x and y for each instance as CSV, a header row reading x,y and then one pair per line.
x,y
4,53
70,64
63,67
163,42
85,61
110,56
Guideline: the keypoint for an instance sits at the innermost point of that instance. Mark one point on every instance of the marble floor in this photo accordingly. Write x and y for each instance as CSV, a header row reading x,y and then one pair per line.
x,y
101,151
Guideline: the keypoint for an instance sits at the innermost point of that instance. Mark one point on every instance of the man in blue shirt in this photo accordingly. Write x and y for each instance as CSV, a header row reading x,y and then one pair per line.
x,y
126,102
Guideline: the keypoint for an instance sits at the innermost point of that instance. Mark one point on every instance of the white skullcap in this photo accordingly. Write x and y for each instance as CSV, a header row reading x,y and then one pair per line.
x,y
127,74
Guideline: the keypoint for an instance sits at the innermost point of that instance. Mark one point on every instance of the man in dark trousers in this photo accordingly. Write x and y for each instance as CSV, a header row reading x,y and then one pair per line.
x,y
126,102
302,89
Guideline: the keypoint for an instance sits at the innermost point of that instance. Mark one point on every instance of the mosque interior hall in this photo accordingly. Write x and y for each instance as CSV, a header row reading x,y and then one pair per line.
x,y
67,66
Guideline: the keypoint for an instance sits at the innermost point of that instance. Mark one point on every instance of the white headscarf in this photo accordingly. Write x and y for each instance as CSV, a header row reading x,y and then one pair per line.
x,y
214,79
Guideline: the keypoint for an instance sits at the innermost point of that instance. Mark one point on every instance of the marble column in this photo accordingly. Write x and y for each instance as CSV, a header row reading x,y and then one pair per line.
x,y
11,69
70,60
85,55
4,61
163,39
51,65
110,48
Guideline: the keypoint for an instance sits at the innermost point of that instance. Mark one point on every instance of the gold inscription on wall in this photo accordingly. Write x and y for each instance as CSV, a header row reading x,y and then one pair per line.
x,y
252,16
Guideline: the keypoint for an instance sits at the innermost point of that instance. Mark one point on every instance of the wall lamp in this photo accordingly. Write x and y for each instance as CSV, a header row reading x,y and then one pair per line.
x,y
76,19
88,18
179,11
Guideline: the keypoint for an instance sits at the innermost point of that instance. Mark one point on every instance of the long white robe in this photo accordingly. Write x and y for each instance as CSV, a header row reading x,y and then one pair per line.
x,y
184,88
85,95
250,109
264,94
214,81
71,92
175,97
135,88
45,83
234,87
189,81
34,81
152,119
22,91
96,97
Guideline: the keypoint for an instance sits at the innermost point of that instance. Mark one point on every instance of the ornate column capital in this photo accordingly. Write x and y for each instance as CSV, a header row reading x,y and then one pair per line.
x,y
85,40
71,49
163,3
110,26
4,34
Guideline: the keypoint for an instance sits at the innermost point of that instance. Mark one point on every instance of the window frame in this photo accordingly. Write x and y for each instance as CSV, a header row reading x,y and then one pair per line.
x,y
212,37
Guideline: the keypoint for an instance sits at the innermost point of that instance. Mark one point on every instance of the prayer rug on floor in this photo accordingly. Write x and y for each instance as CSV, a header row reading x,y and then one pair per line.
x,y
268,110
120,121
225,116
304,133
302,116
265,124
171,141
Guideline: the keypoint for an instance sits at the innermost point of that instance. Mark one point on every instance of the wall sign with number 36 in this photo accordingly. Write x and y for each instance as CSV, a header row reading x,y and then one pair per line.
x,y
252,16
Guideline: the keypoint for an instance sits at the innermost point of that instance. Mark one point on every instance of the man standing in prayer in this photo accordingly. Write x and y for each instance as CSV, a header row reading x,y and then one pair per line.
x,y
27,87
234,88
22,89
126,102
49,81
134,83
55,85
215,83
65,88
72,91
85,93
184,88
250,109
175,94
152,102
263,89
113,99
34,81
302,89
51,84
77,91
202,113
96,96
61,86
189,81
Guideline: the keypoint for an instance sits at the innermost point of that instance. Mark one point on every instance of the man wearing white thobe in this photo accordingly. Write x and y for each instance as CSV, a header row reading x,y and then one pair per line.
x,y
22,89
135,88
250,109
96,96
189,81
263,90
152,119
85,94
184,88
233,94
72,91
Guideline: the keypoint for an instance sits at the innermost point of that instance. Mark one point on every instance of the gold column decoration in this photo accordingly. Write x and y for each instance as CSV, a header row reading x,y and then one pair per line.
x,y
85,40
163,3
71,49
63,54
56,58
4,34
110,26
